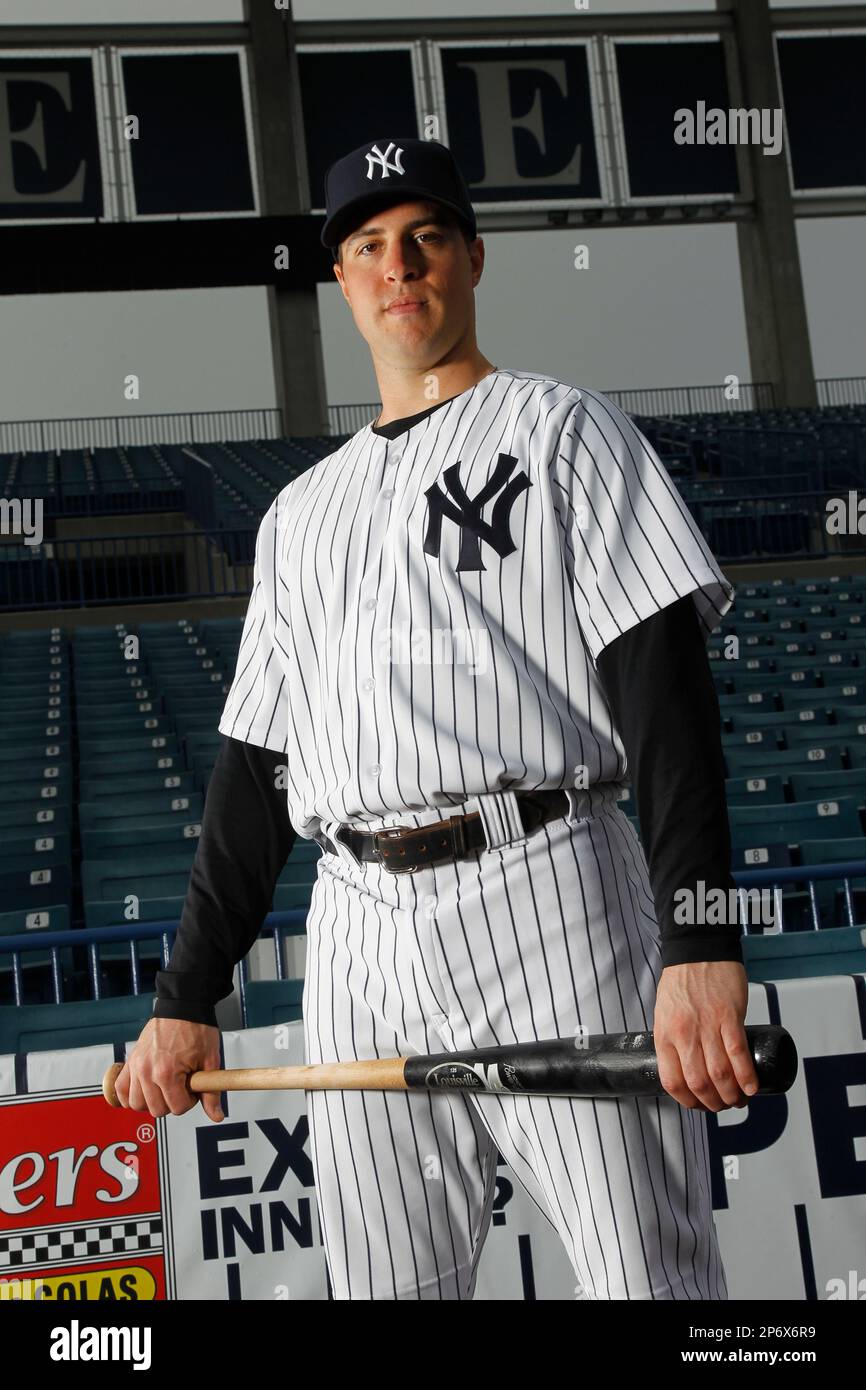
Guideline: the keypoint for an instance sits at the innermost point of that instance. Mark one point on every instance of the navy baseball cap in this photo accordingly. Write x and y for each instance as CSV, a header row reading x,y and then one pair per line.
x,y
391,171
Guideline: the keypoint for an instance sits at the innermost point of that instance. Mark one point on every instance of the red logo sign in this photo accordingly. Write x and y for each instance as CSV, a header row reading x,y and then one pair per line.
x,y
80,1209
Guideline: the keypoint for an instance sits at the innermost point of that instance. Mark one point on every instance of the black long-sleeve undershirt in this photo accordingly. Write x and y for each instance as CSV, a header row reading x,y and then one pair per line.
x,y
660,689
659,686
246,837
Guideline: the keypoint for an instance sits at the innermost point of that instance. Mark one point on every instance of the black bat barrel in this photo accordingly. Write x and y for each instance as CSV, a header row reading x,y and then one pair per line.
x,y
600,1064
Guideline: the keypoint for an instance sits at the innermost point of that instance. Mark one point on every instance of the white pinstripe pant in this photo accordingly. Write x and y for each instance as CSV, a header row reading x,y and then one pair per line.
x,y
544,937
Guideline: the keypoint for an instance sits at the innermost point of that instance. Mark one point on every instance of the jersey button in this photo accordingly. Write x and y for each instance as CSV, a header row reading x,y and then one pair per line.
x,y
369,683
376,769
388,493
371,603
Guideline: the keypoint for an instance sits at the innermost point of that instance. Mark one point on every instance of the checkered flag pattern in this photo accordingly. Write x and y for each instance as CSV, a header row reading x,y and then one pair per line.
x,y
80,1242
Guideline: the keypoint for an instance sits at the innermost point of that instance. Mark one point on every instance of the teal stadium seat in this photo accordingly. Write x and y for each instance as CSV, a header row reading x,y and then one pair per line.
x,y
106,883
37,816
752,791
273,1001
52,918
778,719
85,1023
792,821
30,889
765,762
292,895
799,955
764,740
822,786
851,693
831,736
139,808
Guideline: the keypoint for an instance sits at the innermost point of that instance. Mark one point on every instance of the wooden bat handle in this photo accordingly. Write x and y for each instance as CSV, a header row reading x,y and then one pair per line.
x,y
108,1081
378,1074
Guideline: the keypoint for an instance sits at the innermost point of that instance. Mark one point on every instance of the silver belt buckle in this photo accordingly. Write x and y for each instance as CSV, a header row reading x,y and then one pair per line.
x,y
393,832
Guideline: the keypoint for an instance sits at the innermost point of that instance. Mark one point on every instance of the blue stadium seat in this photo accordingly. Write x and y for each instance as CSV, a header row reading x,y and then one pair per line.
x,y
273,1001
815,786
799,737
750,791
47,1027
789,822
743,722
52,918
760,855
753,739
758,764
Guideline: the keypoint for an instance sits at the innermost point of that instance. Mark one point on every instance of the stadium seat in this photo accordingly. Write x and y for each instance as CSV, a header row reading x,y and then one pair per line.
x,y
851,693
292,895
750,855
763,739
816,786
273,1001
763,762
798,955
797,737
749,791
792,821
741,721
47,1027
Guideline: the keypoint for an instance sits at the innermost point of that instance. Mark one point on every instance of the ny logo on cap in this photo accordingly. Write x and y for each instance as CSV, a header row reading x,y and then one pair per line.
x,y
385,167
467,514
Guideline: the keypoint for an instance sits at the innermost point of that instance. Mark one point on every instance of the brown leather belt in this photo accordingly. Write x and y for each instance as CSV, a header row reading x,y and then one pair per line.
x,y
403,849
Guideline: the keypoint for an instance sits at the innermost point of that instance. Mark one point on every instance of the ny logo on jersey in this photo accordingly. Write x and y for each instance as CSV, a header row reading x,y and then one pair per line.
x,y
386,167
467,512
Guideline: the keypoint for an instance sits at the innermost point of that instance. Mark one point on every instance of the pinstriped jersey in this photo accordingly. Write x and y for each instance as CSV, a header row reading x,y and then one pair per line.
x,y
427,611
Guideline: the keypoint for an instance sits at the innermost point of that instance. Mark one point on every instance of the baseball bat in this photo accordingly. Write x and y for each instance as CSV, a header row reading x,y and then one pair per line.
x,y
597,1065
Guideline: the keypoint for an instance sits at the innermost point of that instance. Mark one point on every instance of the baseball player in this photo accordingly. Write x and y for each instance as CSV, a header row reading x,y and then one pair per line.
x,y
470,625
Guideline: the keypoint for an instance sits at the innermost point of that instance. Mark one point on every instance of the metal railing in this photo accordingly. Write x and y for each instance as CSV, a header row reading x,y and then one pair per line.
x,y
213,561
694,400
116,431
810,874
760,395
841,390
292,922
156,490
347,419
216,562
730,489
761,528
153,567
266,422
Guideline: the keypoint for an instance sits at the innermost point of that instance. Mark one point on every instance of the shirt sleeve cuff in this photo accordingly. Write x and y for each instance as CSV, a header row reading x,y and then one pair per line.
x,y
689,950
188,994
186,1010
